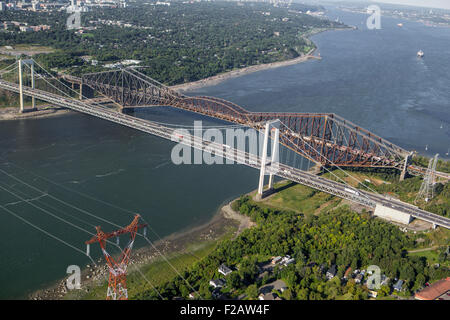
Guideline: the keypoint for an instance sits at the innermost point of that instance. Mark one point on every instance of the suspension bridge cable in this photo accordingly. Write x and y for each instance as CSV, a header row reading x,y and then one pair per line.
x,y
2,71
161,123
153,122
345,182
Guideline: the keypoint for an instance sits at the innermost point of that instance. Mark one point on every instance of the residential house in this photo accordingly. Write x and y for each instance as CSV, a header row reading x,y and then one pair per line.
x,y
398,285
331,272
268,296
217,283
384,280
287,262
347,273
359,277
439,290
275,260
223,269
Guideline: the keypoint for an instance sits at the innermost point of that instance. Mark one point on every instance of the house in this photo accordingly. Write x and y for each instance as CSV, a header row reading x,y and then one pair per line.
x,y
347,273
223,269
193,295
331,272
439,290
217,283
322,269
275,260
398,285
359,277
287,262
268,296
384,280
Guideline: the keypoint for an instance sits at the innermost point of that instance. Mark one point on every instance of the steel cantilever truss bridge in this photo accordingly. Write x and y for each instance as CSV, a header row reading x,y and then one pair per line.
x,y
323,138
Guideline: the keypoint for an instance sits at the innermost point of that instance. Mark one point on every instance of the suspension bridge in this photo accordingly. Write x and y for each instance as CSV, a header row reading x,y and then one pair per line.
x,y
324,139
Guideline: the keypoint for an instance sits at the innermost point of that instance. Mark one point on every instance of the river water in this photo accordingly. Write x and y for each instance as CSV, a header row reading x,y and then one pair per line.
x,y
371,77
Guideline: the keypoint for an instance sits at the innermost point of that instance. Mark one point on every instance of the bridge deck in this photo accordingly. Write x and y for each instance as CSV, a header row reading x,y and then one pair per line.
x,y
338,189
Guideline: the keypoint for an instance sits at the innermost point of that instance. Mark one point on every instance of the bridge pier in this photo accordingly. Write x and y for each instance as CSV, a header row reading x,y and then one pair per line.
x,y
274,158
85,92
21,110
405,166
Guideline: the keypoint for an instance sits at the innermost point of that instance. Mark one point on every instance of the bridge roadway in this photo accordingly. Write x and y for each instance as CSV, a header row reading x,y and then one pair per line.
x,y
332,187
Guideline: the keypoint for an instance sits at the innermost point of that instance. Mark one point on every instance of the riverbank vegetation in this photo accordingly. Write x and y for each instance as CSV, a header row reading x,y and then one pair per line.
x,y
337,235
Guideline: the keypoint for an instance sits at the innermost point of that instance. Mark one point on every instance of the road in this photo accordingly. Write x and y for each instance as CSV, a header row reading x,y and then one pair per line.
x,y
365,198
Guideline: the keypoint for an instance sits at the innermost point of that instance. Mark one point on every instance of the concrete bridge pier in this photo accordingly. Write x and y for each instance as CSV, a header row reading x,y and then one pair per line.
x,y
405,166
262,170
275,154
21,99
274,158
21,110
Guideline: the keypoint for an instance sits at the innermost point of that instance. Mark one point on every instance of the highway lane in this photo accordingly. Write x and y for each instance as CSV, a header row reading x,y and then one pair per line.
x,y
338,189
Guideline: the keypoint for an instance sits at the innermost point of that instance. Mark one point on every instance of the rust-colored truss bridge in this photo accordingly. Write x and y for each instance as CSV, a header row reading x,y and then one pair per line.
x,y
324,138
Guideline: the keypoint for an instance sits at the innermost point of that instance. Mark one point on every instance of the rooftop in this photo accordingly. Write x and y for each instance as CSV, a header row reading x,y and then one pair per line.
x,y
434,291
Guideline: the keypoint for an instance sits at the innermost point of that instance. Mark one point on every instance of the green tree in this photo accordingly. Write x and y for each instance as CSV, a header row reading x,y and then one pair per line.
x,y
252,291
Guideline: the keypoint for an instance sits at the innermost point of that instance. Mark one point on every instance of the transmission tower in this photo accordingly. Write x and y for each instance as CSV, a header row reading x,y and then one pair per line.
x,y
426,191
117,286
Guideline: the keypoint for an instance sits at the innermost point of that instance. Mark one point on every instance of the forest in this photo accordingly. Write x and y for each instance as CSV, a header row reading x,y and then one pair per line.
x,y
339,236
179,43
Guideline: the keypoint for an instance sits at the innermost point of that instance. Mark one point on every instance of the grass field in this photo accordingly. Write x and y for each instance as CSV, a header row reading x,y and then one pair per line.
x,y
300,199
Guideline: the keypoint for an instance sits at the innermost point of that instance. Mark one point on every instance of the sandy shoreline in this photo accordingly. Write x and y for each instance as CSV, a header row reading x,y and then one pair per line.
x,y
177,242
12,113
210,81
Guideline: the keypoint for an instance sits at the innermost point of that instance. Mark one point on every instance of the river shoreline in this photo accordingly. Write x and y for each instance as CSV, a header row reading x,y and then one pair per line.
x,y
216,79
213,230
12,113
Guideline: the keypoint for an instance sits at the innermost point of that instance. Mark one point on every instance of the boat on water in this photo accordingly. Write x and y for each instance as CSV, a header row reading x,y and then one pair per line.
x,y
420,54
400,25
